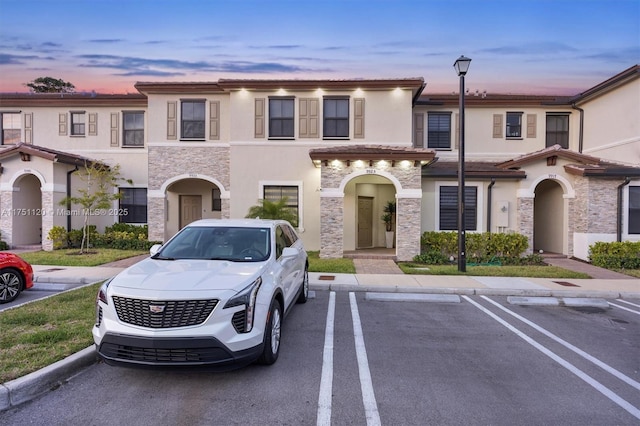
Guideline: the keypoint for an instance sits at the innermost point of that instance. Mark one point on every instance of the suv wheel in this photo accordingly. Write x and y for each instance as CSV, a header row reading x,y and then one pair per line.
x,y
272,335
304,293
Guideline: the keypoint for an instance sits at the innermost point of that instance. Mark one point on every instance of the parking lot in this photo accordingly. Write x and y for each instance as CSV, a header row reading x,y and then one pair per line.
x,y
367,358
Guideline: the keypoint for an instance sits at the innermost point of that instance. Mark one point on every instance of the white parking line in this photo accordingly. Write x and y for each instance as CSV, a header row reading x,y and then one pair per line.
x,y
628,303
366,385
326,381
583,354
573,369
625,308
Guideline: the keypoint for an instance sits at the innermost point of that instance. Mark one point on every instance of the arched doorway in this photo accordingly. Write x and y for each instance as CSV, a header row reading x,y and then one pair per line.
x,y
364,199
27,211
188,200
549,217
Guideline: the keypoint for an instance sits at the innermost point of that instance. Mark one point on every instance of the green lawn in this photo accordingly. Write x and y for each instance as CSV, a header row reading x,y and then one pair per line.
x,y
492,271
71,257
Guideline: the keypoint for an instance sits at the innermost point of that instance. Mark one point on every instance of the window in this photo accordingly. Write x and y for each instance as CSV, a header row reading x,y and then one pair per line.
x,y
557,130
193,117
216,200
449,208
283,240
514,124
77,123
276,193
11,127
281,118
634,209
133,205
133,128
439,130
336,118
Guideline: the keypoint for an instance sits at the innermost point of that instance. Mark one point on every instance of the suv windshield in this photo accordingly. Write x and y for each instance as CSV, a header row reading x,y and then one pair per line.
x,y
218,243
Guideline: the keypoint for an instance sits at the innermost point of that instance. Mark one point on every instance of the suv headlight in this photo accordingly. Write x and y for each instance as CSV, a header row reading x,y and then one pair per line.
x,y
247,298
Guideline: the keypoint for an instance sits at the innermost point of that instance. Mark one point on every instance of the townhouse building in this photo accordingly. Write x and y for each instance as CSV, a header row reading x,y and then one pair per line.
x,y
562,170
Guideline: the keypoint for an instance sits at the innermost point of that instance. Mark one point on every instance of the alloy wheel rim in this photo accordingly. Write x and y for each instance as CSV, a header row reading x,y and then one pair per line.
x,y
275,331
9,285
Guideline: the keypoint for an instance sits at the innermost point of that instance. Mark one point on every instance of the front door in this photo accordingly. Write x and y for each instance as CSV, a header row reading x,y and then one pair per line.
x,y
190,209
365,221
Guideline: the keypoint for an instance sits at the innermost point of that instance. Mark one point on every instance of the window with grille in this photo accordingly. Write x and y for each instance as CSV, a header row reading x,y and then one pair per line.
x,y
514,124
276,193
192,116
11,127
449,208
133,128
439,130
77,123
133,205
281,118
336,118
557,132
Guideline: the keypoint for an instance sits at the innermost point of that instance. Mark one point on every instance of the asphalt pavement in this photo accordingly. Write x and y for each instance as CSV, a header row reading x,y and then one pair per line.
x,y
372,275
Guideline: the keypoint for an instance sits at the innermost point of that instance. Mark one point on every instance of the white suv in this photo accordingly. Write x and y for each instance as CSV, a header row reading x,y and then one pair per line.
x,y
215,294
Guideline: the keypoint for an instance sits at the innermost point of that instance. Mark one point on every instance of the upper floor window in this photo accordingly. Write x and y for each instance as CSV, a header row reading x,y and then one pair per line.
x,y
514,124
77,123
193,119
634,209
133,128
11,127
336,118
439,130
557,130
281,117
449,208
133,205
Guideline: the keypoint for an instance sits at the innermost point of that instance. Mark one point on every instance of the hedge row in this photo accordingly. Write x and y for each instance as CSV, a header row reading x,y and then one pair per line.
x,y
440,247
615,255
121,236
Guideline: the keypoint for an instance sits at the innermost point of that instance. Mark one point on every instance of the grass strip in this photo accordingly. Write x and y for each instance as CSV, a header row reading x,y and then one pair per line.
x,y
42,332
71,257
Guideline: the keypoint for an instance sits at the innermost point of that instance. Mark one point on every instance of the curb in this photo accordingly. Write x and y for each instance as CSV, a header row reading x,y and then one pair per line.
x,y
32,385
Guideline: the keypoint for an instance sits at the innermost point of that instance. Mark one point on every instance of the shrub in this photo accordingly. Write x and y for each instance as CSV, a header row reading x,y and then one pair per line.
x,y
615,255
3,244
481,247
59,236
432,258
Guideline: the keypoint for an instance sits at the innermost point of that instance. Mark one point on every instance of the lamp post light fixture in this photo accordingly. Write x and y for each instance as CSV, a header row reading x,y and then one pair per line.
x,y
462,66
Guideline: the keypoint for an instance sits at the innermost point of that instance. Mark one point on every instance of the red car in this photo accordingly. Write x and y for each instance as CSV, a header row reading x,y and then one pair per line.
x,y
15,275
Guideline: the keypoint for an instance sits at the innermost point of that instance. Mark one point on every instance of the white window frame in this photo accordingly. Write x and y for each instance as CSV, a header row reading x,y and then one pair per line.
x,y
480,225
298,183
625,213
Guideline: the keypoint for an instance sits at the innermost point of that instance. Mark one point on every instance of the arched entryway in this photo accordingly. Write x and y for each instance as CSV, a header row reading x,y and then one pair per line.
x,y
27,211
549,233
364,199
190,199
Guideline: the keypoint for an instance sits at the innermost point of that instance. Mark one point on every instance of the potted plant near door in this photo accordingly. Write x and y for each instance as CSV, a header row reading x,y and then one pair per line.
x,y
388,218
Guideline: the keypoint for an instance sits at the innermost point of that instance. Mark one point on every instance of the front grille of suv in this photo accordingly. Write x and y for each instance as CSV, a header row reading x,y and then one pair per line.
x,y
163,314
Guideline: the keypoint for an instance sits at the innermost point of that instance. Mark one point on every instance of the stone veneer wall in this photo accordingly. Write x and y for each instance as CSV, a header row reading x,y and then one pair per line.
x,y
6,225
166,162
331,227
408,210
408,228
525,220
47,220
595,208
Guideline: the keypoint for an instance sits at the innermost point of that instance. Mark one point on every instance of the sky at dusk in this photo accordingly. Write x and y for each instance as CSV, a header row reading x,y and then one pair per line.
x,y
516,46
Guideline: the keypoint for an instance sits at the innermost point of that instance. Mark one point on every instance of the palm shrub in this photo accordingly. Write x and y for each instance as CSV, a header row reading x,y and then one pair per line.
x,y
266,209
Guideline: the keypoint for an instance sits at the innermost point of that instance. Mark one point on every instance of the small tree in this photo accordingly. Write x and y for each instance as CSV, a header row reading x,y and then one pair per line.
x,y
273,210
389,215
50,85
97,194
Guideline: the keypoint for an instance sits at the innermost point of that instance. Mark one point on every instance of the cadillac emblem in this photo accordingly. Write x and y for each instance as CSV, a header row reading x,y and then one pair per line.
x,y
156,309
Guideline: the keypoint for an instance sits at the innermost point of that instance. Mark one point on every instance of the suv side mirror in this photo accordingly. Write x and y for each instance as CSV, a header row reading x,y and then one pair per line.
x,y
154,249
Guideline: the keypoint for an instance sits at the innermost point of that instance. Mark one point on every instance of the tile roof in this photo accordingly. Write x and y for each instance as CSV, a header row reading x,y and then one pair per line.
x,y
47,153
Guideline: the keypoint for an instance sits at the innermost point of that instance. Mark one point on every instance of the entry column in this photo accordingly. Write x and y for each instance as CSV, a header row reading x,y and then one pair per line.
x,y
331,225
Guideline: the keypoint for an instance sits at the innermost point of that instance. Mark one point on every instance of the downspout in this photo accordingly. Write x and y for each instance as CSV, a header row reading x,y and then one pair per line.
x,y
69,196
581,132
493,182
619,218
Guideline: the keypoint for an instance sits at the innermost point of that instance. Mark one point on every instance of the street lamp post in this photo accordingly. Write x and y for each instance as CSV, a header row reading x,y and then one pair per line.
x,y
462,66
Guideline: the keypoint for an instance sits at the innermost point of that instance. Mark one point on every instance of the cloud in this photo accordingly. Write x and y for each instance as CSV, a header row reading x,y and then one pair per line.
x,y
539,48
132,66
107,40
9,59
